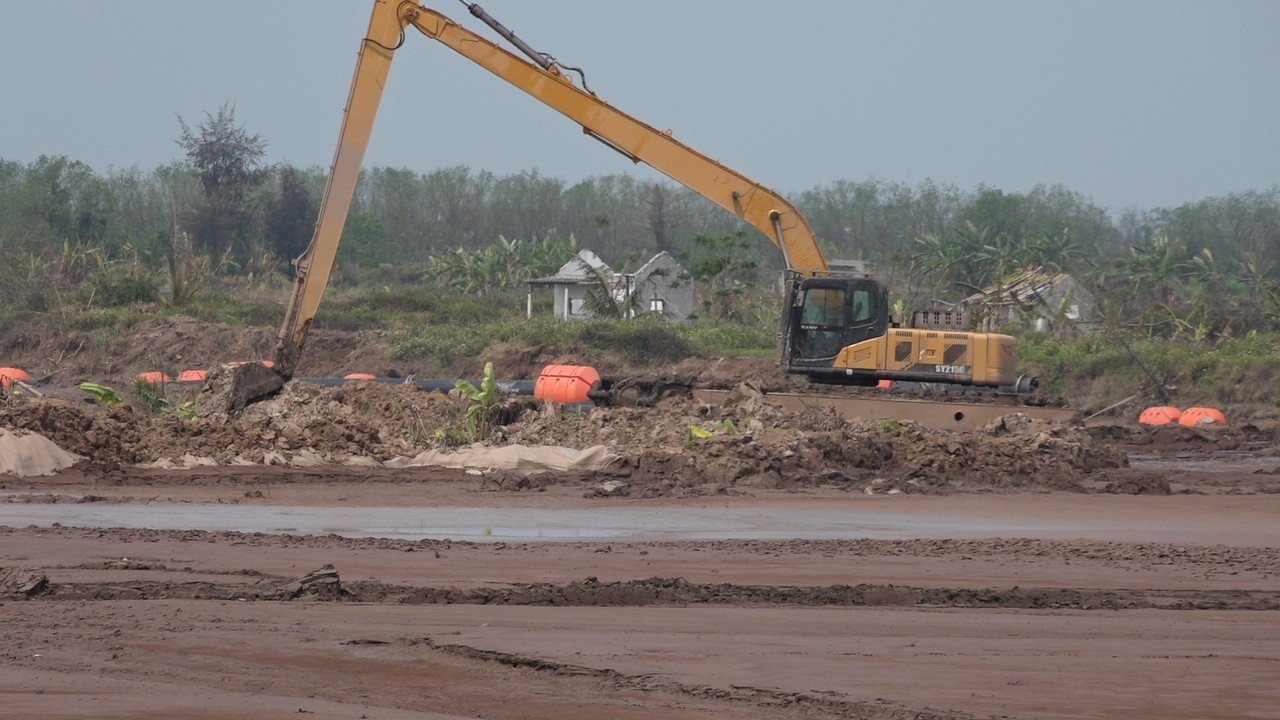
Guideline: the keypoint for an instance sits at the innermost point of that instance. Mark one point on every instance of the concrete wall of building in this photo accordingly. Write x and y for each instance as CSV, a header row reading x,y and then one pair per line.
x,y
663,286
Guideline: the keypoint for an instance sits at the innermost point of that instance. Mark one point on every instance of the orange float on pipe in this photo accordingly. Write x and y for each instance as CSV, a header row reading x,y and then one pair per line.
x,y
154,377
193,375
1160,415
1202,416
359,376
9,374
566,383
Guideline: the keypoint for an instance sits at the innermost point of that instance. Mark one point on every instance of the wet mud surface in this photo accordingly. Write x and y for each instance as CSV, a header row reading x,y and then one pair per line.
x,y
121,622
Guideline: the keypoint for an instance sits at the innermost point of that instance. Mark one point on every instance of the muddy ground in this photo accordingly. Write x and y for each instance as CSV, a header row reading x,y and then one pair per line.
x,y
107,623
1161,605
1142,579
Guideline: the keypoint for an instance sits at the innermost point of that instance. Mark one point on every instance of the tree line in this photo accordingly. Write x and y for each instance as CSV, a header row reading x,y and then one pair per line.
x,y
1204,267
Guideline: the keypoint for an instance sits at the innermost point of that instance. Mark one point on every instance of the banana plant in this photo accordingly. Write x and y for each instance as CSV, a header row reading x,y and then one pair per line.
x,y
484,402
104,394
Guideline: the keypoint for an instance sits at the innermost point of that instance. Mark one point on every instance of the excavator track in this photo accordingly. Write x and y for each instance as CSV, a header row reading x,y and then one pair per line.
x,y
968,411
953,414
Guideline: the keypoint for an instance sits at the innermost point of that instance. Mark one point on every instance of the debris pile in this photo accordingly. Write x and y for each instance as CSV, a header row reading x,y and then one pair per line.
x,y
305,423
746,442
677,447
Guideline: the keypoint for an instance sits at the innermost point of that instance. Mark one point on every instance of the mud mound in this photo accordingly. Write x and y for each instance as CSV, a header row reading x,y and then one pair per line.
x,y
682,444
98,434
309,424
304,423
677,447
1264,431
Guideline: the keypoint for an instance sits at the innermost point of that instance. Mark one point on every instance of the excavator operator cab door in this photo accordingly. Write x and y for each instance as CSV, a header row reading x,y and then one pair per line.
x,y
827,314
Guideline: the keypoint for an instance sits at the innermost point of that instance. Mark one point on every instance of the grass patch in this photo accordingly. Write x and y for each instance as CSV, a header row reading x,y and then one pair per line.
x,y
230,310
1229,370
640,341
387,307
119,318
734,339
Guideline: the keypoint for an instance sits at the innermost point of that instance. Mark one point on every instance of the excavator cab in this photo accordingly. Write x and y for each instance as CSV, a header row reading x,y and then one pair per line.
x,y
827,313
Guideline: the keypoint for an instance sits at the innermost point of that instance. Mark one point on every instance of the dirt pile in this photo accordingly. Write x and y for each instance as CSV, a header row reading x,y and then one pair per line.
x,y
678,447
1245,434
304,424
748,443
98,434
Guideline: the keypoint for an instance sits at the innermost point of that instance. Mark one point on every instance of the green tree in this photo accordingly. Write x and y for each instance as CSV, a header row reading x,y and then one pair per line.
x,y
58,202
1240,228
721,264
229,161
291,215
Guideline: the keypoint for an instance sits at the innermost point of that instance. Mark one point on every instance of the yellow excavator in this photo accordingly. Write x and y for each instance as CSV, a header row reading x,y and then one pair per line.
x,y
836,327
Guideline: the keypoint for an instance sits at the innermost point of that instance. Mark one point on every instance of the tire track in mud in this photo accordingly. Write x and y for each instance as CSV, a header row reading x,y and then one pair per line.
x,y
325,586
802,704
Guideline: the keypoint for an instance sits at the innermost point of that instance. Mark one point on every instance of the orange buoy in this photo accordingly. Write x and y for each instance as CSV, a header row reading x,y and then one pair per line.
x,y
1160,415
269,363
193,375
566,383
1202,416
154,377
359,376
884,384
9,374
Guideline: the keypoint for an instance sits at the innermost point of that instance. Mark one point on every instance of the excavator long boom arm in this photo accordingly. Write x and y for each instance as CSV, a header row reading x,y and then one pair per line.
x,y
763,208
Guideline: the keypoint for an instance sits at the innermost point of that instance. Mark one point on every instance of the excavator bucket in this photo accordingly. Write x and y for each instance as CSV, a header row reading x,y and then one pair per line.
x,y
229,388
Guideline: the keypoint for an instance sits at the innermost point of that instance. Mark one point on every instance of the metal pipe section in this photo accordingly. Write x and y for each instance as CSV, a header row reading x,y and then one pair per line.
x,y
444,385
776,217
508,35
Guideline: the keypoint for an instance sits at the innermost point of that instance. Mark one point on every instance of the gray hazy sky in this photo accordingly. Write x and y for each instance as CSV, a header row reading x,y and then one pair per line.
x,y
1131,103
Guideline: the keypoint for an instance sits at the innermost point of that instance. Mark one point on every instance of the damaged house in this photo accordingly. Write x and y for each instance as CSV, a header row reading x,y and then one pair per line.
x,y
586,286
1047,302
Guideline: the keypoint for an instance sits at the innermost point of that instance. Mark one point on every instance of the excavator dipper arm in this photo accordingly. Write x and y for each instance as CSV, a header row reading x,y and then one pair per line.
x,y
763,208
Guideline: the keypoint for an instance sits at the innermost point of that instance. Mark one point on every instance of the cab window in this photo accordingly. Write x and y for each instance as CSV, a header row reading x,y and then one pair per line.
x,y
824,306
861,306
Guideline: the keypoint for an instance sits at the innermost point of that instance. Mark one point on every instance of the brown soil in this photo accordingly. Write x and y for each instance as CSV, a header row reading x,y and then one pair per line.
x,y
174,344
749,443
183,624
